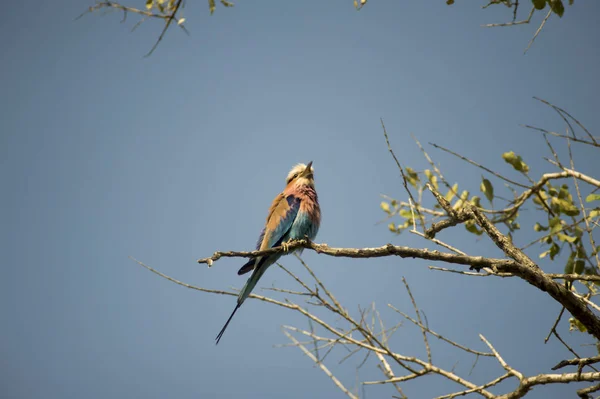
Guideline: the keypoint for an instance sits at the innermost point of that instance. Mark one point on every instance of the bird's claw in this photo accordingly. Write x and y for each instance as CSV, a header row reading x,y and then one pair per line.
x,y
285,246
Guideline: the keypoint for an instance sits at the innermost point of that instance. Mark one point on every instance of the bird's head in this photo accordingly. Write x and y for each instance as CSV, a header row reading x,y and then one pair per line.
x,y
301,174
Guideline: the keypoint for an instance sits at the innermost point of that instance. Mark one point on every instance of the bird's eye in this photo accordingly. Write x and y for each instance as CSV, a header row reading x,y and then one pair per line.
x,y
295,175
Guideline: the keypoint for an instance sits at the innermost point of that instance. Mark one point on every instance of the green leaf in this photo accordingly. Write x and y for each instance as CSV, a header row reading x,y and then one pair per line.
x,y
581,252
564,193
555,225
412,176
516,161
149,4
392,227
385,206
476,201
406,213
461,201
434,181
211,6
539,4
451,193
487,188
570,264
576,324
564,237
536,198
432,178
227,3
539,227
449,2
579,266
554,250
592,197
472,228
557,7
565,206
594,213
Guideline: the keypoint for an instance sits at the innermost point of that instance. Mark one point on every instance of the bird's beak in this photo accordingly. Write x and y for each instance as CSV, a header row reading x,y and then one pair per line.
x,y
308,171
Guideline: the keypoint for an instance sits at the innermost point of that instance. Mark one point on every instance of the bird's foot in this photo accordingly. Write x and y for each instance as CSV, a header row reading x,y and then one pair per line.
x,y
477,268
285,246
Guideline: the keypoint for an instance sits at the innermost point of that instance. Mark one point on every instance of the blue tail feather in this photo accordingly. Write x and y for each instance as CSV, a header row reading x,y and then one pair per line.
x,y
260,269
248,266
220,335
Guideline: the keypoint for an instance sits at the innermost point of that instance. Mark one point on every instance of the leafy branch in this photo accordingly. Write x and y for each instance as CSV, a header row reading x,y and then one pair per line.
x,y
568,220
170,10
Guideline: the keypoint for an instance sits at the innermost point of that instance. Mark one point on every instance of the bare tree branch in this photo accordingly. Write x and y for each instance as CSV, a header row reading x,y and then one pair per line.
x,y
385,250
577,362
583,393
543,379
169,14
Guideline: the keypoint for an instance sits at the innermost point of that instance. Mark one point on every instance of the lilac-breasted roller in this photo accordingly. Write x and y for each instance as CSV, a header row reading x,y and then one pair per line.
x,y
294,215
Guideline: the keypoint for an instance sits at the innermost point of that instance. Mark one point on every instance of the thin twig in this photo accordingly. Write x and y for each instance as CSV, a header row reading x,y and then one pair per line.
x,y
468,391
169,19
537,32
404,180
525,21
553,329
423,329
439,336
562,112
501,360
327,292
498,175
488,272
577,140
337,382
439,242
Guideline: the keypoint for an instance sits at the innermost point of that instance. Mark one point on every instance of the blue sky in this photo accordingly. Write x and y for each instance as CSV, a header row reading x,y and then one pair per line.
x,y
106,154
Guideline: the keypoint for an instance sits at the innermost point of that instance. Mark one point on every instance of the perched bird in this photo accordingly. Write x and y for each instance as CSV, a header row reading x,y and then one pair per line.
x,y
294,215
